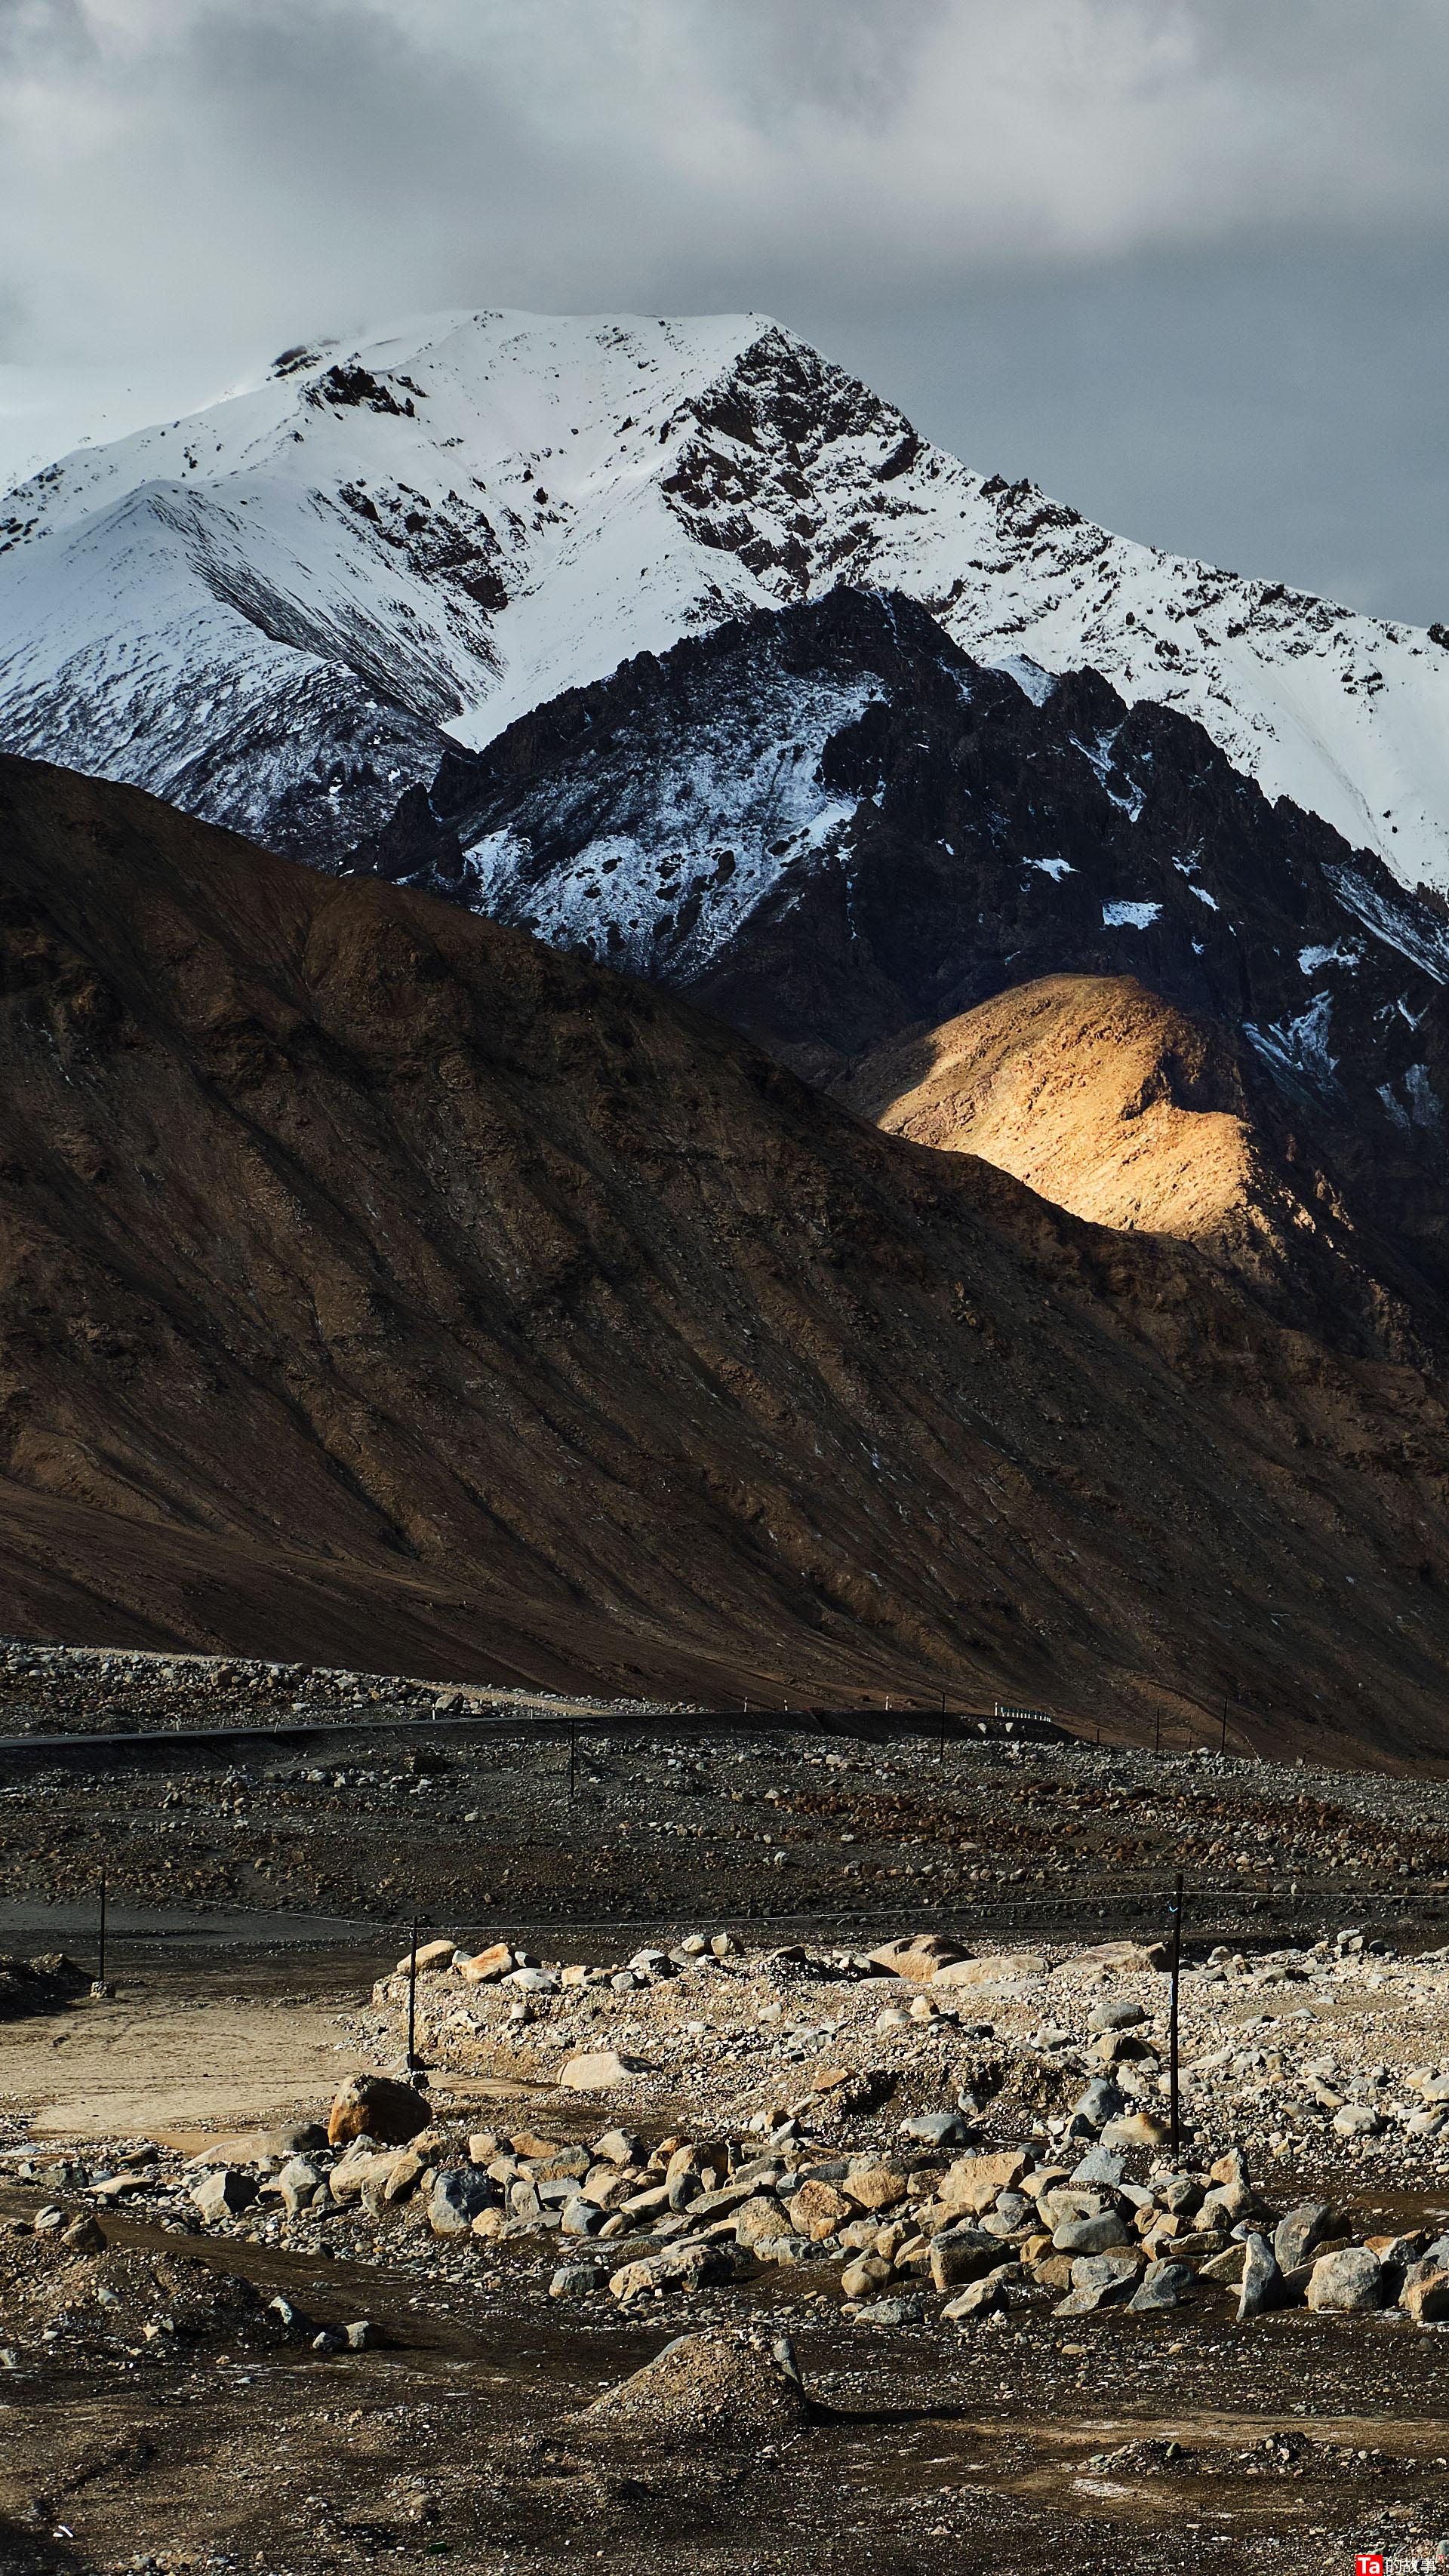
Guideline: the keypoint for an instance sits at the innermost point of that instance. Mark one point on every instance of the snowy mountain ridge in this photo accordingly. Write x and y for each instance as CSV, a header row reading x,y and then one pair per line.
x,y
278,611
829,827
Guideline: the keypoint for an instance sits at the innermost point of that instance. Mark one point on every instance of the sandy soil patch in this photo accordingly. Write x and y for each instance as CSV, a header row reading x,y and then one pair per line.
x,y
163,2065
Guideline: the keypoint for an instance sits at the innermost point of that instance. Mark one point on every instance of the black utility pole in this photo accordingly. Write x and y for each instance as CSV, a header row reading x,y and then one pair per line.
x,y
1223,1739
1174,2108
941,1740
1157,1730
101,1933
413,1999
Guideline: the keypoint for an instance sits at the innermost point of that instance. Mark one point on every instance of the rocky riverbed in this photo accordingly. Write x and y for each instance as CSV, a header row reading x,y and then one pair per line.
x,y
943,2284
847,2057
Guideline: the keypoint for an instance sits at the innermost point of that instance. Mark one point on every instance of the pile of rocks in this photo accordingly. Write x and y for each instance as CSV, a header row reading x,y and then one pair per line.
x,y
899,2236
980,2234
1317,2049
39,1985
729,2388
914,2231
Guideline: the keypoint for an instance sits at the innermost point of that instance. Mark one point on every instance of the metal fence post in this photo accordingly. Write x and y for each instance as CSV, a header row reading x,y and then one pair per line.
x,y
1174,2107
413,1999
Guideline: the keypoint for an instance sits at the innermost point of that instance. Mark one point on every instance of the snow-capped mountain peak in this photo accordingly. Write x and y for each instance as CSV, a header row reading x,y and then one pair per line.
x,y
274,611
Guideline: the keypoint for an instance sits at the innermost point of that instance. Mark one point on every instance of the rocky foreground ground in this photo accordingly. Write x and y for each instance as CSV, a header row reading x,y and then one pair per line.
x,y
845,2056
694,2255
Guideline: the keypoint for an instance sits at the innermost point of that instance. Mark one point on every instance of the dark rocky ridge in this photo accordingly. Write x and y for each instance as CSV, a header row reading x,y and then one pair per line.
x,y
986,833
380,1287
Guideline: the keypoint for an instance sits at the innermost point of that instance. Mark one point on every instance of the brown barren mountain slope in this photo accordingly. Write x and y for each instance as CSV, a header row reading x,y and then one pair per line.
x,y
1121,1107
1098,1093
376,1284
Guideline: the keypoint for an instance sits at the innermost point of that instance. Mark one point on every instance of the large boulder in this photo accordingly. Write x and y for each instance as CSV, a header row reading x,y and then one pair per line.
x,y
1101,2168
598,2070
1230,2170
787,2249
1114,2048
261,2146
868,2272
983,2297
376,2106
759,2219
1260,2284
621,2147
962,2254
918,1958
298,2184
457,2197
818,2209
1227,2267
578,2280
676,2267
1100,2280
1298,2231
976,2182
905,2309
1094,2235
1126,1956
877,2187
580,2216
1004,1968
408,2168
1163,2285
1136,2129
1100,2103
1346,2283
430,1956
719,2387
487,1965
1071,2200
1227,2203
223,2192
1119,2013
1425,2294
937,2129
362,2174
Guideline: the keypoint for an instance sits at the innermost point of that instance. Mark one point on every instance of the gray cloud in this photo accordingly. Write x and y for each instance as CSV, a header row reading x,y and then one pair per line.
x,y
40,32
189,184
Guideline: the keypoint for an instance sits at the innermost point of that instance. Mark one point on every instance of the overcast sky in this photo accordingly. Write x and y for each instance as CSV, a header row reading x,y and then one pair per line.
x,y
1182,261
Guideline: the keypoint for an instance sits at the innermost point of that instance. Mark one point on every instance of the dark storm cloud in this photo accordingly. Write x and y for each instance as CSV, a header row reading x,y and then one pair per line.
x,y
1169,252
